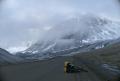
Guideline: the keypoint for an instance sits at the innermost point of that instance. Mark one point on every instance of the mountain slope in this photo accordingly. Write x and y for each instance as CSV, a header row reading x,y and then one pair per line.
x,y
75,33
6,57
104,62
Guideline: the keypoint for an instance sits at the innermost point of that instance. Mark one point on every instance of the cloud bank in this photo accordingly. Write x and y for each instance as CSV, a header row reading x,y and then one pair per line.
x,y
23,21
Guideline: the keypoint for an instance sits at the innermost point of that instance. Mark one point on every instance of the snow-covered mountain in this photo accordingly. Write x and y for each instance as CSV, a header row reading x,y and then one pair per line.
x,y
75,33
6,57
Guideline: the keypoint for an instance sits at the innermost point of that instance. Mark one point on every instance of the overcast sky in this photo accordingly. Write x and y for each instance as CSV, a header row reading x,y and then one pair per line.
x,y
23,21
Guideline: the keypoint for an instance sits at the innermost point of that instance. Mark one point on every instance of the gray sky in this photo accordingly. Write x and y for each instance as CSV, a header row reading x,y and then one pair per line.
x,y
23,21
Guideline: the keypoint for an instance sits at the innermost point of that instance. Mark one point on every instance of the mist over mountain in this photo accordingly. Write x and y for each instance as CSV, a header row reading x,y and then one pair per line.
x,y
76,32
22,21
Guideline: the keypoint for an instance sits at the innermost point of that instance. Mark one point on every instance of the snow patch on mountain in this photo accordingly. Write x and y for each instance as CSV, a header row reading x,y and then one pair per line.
x,y
23,46
16,49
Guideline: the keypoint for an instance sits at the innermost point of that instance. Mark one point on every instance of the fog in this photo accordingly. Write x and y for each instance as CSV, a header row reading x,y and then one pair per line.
x,y
23,22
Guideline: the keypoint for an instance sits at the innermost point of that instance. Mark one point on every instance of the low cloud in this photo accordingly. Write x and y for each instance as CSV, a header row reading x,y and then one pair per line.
x,y
22,20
